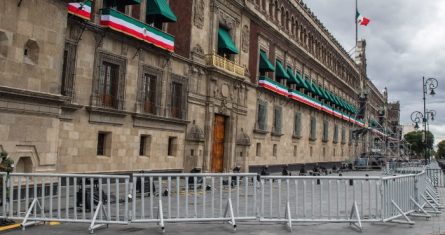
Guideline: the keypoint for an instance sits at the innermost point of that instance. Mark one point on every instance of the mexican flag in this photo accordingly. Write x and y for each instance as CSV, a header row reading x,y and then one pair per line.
x,y
361,19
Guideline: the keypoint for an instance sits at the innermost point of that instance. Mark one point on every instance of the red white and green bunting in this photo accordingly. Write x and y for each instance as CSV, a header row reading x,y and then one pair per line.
x,y
295,95
276,87
119,22
80,9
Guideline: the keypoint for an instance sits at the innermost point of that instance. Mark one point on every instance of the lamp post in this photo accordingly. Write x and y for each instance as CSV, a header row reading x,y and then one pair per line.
x,y
430,114
428,84
417,117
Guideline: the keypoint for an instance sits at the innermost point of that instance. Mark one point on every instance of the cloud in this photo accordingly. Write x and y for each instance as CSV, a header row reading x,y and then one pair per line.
x,y
405,41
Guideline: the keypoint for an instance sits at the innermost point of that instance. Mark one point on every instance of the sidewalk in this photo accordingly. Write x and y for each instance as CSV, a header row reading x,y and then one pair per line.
x,y
434,226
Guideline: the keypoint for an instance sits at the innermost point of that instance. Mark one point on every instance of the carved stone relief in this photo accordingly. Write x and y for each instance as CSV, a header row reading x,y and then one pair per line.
x,y
227,20
245,39
198,18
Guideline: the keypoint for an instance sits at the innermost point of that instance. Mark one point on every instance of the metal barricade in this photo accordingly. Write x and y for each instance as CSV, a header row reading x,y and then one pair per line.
x,y
162,198
333,199
437,176
99,200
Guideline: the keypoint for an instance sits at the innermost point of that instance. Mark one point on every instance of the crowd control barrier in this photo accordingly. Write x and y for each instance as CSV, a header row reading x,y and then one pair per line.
x,y
163,198
153,198
98,200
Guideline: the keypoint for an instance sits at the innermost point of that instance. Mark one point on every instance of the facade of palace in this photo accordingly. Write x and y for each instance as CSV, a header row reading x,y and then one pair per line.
x,y
157,85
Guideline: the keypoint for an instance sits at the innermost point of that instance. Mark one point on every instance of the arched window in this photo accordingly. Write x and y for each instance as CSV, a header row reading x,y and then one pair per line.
x,y
287,21
292,30
277,11
283,17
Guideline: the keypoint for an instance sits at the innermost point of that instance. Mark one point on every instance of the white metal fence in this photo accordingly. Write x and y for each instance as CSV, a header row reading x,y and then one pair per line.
x,y
100,200
161,198
95,199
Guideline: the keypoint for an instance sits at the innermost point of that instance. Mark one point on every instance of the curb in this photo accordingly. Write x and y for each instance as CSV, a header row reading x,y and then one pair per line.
x,y
9,227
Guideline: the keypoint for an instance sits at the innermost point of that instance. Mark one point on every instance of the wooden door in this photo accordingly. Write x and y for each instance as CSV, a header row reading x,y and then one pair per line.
x,y
218,144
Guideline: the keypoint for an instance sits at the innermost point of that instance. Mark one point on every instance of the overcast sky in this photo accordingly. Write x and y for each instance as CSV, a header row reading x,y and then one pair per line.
x,y
405,41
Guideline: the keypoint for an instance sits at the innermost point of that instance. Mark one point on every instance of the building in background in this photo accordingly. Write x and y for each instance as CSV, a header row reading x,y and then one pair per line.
x,y
123,86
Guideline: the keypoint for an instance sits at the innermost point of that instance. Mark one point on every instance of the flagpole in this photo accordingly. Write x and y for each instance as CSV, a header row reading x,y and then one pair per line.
x,y
356,24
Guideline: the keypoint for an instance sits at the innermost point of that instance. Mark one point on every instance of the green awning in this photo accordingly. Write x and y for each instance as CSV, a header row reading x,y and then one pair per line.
x,y
330,97
280,71
265,64
303,83
314,89
225,42
292,78
159,9
324,94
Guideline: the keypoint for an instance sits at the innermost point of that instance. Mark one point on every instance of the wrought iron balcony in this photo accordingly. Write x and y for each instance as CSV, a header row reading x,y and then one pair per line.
x,y
225,64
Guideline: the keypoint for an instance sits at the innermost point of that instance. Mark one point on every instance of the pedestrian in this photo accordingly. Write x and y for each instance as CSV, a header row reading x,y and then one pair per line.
x,y
302,170
285,172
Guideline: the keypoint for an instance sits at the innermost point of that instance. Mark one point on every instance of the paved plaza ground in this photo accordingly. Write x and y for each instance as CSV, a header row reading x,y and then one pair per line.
x,y
434,226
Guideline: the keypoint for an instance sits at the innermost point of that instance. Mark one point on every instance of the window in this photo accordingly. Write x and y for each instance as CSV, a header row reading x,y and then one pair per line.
x,y
311,151
343,135
325,131
103,144
178,97
144,145
68,67
277,120
172,146
335,139
258,149
149,93
261,122
109,82
274,150
108,86
351,136
297,125
295,151
176,101
324,152
159,12
226,45
313,135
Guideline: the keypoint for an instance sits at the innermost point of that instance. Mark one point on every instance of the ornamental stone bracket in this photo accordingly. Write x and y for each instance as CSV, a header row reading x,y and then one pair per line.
x,y
195,133
243,139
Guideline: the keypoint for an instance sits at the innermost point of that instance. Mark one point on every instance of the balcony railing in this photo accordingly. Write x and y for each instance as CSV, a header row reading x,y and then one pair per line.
x,y
225,64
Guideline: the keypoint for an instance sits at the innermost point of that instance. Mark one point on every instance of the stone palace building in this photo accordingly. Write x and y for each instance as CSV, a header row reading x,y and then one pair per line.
x,y
170,85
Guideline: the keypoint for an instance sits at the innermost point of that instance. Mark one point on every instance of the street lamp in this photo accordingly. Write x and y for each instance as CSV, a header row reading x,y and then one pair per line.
x,y
428,84
416,117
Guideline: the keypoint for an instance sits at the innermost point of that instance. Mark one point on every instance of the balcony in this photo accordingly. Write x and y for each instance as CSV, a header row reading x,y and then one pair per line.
x,y
122,23
225,64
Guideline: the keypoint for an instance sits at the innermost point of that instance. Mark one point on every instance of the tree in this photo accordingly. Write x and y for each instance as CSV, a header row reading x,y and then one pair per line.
x,y
441,149
415,138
